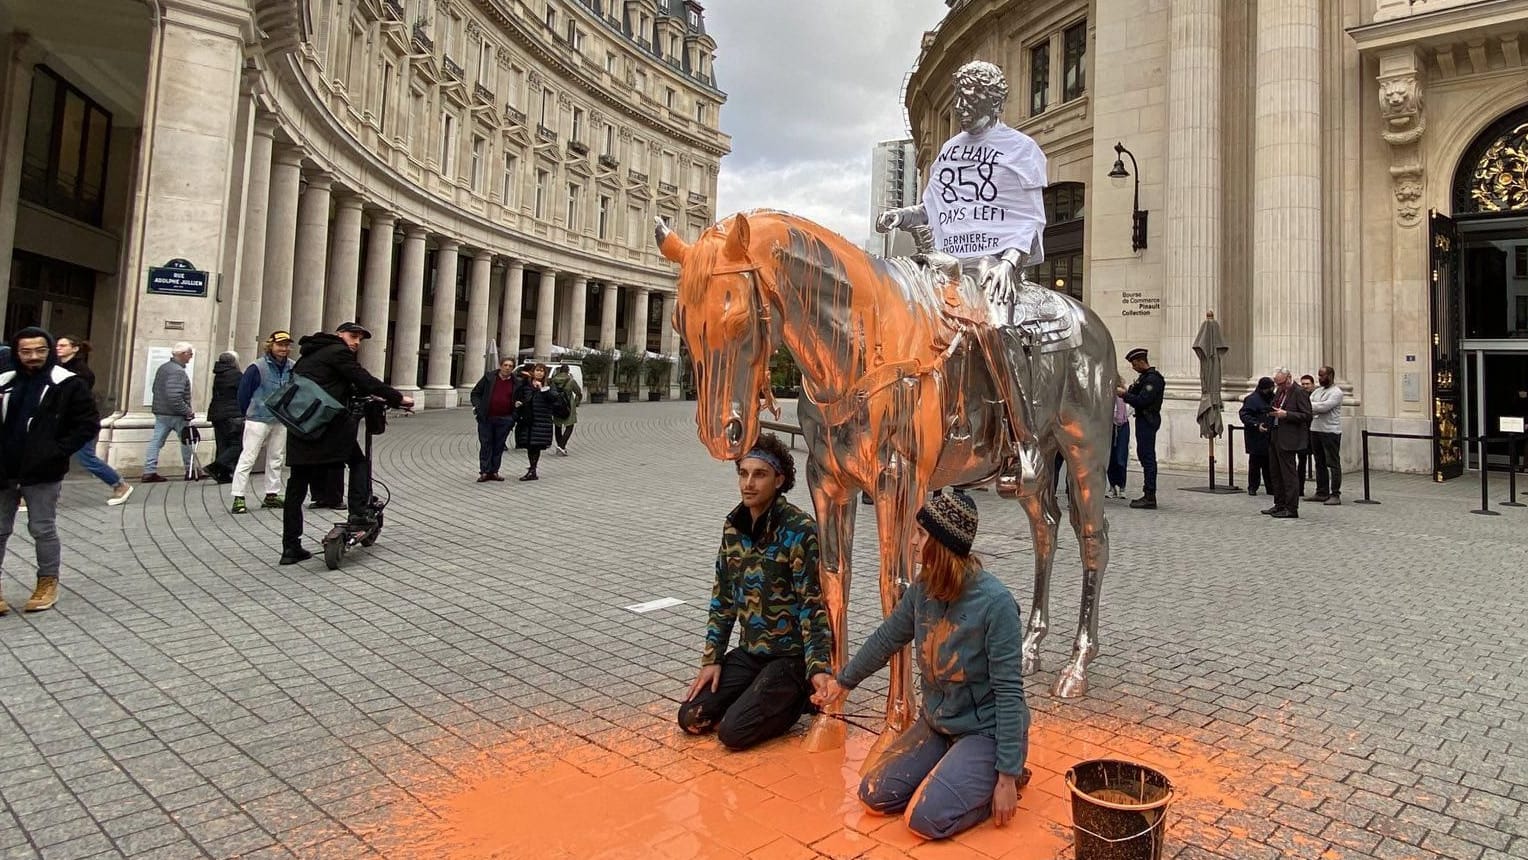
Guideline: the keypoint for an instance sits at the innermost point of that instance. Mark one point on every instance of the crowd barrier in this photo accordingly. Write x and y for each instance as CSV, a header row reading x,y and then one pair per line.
x,y
1514,445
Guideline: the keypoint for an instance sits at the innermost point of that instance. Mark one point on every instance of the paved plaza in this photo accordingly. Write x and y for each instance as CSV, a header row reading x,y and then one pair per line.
x,y
1349,685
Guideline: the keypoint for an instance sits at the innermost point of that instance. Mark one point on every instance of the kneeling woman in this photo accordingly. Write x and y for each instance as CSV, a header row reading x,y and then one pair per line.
x,y
961,761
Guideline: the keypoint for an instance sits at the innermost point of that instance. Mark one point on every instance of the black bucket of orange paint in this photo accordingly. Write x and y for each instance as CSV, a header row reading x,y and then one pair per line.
x,y
1119,810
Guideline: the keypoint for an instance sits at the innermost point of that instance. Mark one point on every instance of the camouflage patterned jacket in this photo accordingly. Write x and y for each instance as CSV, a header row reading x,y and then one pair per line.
x,y
770,588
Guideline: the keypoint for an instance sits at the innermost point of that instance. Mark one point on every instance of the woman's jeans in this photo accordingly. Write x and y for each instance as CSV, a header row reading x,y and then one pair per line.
x,y
95,465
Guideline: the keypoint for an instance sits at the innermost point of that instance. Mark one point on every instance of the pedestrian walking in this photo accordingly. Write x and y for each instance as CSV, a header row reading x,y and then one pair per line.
x,y
226,418
1257,421
261,379
1145,394
172,410
572,395
534,405
74,356
493,405
767,586
1326,437
1290,434
963,759
47,414
1119,451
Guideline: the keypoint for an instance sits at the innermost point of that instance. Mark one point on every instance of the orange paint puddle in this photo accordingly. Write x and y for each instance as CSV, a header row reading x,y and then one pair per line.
x,y
550,794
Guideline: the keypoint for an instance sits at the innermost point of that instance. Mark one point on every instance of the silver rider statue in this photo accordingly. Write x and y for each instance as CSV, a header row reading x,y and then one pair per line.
x,y
983,213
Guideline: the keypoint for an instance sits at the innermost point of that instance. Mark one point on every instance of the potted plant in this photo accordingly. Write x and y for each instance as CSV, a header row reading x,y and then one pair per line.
x,y
657,371
628,374
596,364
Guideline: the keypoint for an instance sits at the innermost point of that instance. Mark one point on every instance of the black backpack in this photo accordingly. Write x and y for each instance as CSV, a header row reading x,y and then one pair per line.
x,y
562,404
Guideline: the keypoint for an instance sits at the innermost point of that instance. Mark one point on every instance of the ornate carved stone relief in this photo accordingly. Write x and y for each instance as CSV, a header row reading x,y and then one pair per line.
x,y
1404,122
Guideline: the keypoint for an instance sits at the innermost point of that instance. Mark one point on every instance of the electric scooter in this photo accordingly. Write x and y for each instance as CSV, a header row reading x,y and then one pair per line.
x,y
346,535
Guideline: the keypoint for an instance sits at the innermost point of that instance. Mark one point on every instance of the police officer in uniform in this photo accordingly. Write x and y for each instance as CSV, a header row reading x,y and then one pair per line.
x,y
1146,396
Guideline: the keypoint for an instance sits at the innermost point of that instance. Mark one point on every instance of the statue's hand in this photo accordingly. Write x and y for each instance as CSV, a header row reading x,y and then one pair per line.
x,y
890,220
997,283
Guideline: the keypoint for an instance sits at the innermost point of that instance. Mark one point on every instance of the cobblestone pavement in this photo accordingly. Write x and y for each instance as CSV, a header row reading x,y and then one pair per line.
x,y
1351,684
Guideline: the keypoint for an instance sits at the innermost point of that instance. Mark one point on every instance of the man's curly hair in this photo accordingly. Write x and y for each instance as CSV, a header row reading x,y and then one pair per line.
x,y
771,445
985,75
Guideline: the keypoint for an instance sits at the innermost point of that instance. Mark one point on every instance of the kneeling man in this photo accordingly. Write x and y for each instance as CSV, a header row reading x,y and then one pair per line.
x,y
766,583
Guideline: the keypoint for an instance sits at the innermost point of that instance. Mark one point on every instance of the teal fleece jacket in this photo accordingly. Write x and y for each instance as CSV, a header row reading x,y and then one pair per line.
x,y
968,656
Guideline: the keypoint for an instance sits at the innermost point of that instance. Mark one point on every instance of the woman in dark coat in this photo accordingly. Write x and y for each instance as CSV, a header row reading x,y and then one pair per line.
x,y
227,421
1257,419
533,417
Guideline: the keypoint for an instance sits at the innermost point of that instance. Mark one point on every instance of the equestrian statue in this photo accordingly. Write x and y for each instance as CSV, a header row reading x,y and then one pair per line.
x,y
944,369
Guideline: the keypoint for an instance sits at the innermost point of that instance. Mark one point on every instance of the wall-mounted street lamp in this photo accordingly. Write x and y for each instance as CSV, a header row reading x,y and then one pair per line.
x,y
1137,214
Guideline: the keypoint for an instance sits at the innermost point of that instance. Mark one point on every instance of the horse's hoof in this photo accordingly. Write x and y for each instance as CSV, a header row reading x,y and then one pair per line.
x,y
887,738
1072,683
826,734
1031,664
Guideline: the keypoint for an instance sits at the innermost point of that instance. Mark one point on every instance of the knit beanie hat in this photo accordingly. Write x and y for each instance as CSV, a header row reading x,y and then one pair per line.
x,y
950,518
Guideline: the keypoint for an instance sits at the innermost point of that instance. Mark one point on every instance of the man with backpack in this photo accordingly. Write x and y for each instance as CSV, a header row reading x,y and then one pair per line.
x,y
328,366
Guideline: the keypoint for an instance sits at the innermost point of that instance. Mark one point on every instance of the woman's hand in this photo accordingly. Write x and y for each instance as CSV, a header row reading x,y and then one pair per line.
x,y
1005,799
828,691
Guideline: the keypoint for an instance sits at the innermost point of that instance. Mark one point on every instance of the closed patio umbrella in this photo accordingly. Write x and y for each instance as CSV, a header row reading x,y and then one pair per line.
x,y
1210,347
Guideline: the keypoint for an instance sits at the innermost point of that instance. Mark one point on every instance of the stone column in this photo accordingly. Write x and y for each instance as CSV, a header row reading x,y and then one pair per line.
x,y
405,357
247,332
1193,180
443,325
608,299
512,309
311,257
21,55
344,263
546,300
636,328
281,241
668,346
474,363
375,298
578,309
1286,255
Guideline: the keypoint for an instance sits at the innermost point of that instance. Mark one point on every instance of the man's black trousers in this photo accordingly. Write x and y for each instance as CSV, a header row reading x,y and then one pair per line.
x,y
303,479
759,698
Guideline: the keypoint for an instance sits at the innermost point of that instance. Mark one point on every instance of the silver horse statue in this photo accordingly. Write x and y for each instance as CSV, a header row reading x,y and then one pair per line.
x,y
899,399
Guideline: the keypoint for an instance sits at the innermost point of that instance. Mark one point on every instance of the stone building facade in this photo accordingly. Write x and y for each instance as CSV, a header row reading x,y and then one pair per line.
x,y
454,174
1341,181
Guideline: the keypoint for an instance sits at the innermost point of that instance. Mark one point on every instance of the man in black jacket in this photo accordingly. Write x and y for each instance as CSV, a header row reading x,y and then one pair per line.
x,y
1291,433
329,360
46,414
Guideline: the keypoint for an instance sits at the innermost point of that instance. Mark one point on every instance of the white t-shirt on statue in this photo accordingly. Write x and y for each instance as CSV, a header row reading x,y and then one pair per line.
x,y
985,195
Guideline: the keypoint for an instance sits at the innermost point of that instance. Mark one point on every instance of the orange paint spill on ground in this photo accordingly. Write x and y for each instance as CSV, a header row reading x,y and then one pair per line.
x,y
550,794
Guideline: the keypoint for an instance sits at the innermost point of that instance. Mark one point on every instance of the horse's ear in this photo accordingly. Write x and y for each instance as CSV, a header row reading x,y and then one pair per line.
x,y
738,237
669,243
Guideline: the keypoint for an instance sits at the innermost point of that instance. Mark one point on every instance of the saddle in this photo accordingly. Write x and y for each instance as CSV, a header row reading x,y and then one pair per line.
x,y
1040,319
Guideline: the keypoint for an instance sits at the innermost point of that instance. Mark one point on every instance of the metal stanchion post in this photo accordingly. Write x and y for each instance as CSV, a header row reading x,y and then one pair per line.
x,y
1485,482
1514,445
1231,457
1366,500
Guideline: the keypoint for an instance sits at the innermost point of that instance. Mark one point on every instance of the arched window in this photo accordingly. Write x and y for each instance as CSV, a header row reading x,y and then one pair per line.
x,y
1492,176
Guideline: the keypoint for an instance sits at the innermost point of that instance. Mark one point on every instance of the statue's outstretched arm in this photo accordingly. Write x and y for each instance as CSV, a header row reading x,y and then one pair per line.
x,y
904,218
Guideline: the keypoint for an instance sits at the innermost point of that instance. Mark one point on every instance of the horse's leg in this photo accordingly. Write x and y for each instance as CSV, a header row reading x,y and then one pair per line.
x,y
835,527
898,493
1039,501
1088,466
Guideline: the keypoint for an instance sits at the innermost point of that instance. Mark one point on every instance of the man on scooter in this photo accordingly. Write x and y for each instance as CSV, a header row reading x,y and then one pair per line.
x,y
329,360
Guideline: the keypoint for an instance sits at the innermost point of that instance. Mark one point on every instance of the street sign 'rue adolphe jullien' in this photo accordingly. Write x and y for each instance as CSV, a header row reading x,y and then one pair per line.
x,y
177,278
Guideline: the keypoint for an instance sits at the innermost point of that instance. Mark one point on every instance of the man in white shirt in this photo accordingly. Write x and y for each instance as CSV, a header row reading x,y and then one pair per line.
x,y
1326,437
984,204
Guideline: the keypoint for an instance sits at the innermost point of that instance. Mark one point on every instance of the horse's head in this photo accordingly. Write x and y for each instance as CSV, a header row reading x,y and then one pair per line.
x,y
725,320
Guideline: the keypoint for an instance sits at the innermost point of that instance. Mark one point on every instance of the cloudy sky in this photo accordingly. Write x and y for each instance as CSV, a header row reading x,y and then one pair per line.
x,y
812,86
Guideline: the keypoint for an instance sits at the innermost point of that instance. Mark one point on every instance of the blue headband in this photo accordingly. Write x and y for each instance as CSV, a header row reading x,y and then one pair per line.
x,y
771,459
